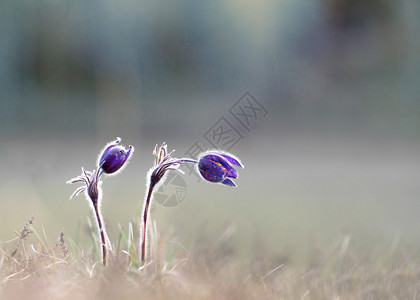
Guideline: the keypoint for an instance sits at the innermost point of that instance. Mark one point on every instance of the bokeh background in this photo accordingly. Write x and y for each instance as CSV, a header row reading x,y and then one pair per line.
x,y
336,154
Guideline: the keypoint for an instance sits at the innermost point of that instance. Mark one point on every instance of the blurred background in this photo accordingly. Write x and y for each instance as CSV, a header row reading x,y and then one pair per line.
x,y
331,147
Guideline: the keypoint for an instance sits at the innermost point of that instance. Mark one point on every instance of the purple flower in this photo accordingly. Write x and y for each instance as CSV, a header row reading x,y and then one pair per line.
x,y
114,157
217,166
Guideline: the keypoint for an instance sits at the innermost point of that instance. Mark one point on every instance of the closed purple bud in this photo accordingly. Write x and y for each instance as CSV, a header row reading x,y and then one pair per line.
x,y
216,166
114,157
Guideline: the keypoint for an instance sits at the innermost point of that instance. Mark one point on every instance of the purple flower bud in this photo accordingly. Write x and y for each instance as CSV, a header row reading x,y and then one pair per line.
x,y
114,157
216,166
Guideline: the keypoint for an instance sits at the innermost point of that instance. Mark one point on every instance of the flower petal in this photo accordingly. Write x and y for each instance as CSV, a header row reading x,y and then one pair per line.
x,y
114,158
107,150
222,160
232,159
229,182
211,169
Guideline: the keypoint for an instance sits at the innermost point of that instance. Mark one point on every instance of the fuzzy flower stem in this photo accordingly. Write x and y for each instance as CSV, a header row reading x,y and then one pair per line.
x,y
101,231
93,191
163,163
145,216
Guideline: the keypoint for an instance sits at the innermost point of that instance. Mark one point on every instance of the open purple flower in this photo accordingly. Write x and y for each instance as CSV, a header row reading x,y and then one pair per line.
x,y
114,157
217,166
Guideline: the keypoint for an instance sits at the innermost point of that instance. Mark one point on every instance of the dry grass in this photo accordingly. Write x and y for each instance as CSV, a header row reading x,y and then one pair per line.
x,y
33,267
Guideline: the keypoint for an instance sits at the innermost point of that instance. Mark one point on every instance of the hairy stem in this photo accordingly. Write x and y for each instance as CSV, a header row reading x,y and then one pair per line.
x,y
143,230
155,176
101,232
